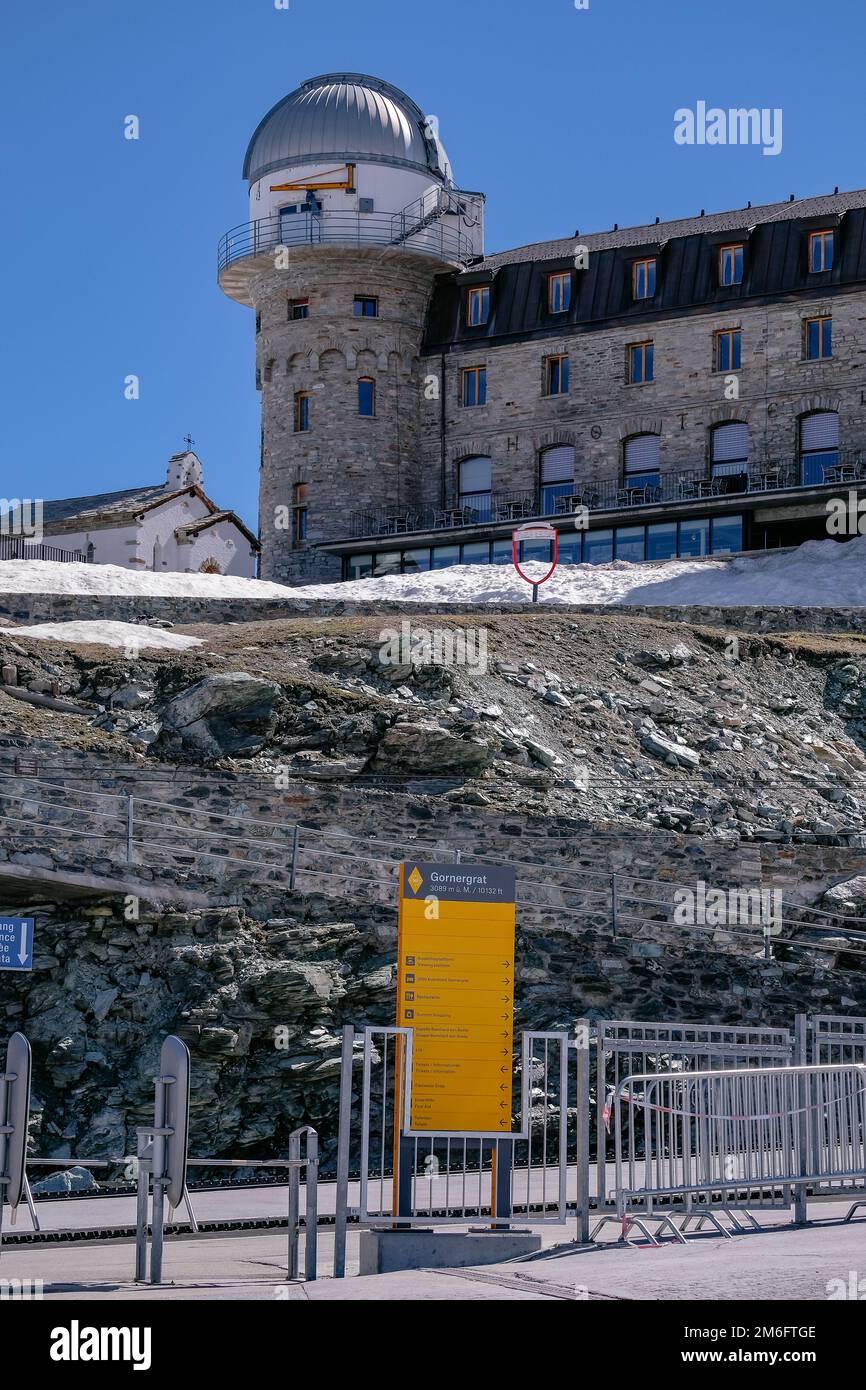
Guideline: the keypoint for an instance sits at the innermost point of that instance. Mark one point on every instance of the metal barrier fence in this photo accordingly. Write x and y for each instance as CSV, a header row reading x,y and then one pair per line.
x,y
626,1046
412,1178
713,1142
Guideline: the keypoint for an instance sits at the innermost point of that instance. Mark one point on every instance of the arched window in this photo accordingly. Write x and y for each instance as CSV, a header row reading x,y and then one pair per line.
x,y
366,396
819,445
729,455
475,485
641,458
557,476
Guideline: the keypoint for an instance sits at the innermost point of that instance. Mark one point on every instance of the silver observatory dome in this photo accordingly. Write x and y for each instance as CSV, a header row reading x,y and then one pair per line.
x,y
346,117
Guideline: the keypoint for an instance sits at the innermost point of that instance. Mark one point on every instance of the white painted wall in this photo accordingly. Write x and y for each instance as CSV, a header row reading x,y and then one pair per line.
x,y
391,188
150,543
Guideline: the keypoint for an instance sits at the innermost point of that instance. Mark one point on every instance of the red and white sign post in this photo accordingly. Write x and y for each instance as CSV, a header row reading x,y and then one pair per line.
x,y
534,531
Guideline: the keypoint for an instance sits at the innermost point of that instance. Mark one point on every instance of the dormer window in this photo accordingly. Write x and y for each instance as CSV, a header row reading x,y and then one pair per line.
x,y
731,264
820,251
478,306
643,278
559,292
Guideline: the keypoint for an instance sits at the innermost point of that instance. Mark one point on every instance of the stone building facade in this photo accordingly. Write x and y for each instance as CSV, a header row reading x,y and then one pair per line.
x,y
683,388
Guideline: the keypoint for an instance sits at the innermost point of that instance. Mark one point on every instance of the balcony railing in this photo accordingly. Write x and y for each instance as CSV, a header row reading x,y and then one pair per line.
x,y
438,236
832,469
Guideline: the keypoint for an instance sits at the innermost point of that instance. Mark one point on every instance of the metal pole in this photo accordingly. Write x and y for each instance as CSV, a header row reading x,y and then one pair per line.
x,y
141,1221
311,1213
294,1205
343,1147
581,1029
157,1228
801,1038
130,826
294,859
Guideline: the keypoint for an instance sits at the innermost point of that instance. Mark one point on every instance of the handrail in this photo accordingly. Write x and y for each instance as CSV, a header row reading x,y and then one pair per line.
x,y
342,227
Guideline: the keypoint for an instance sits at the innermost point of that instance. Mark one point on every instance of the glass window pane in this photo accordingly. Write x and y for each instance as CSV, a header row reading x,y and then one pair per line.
x,y
386,562
501,553
661,541
695,537
359,566
651,279
827,339
597,547
475,553
536,550
570,547
445,555
630,543
366,397
727,534
414,560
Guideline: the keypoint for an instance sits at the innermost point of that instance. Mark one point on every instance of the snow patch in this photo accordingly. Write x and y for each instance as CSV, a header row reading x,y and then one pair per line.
x,y
107,634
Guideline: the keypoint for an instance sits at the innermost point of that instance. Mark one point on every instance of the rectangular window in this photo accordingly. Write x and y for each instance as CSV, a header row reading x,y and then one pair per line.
x,y
559,292
474,386
640,363
445,555
501,553
570,548
643,279
556,376
366,308
539,550
478,306
819,338
299,513
386,562
731,265
727,534
302,412
728,343
357,566
597,547
630,543
695,537
661,541
366,396
416,560
475,553
299,308
820,251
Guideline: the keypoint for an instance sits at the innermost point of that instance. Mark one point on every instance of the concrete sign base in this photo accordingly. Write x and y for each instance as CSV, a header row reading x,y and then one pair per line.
x,y
382,1252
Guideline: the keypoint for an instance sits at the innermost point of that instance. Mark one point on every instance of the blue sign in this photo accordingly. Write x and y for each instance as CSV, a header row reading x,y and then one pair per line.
x,y
16,943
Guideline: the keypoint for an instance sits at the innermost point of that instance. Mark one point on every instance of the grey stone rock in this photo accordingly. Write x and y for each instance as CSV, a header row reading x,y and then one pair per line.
x,y
228,714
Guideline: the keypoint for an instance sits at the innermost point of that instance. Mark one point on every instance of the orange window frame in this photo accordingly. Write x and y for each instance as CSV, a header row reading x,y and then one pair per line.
x,y
822,239
471,374
550,362
644,265
631,351
562,278
730,334
820,320
480,296
731,250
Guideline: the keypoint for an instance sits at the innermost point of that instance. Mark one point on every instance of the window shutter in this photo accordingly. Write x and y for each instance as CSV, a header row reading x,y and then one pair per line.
x,y
820,431
475,474
642,454
730,442
557,465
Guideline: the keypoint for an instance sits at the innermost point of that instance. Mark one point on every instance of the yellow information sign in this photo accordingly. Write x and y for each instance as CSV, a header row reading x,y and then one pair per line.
x,y
456,992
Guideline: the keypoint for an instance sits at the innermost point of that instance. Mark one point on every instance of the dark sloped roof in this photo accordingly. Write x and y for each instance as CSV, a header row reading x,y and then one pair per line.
x,y
130,500
827,204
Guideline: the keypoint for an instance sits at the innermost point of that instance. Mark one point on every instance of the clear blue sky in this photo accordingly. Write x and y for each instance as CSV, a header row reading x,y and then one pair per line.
x,y
564,118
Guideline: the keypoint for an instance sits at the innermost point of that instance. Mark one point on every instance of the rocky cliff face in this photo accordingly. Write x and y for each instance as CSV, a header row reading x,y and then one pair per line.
x,y
608,741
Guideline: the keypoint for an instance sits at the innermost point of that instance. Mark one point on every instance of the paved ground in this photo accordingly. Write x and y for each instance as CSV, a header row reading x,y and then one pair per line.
x,y
779,1262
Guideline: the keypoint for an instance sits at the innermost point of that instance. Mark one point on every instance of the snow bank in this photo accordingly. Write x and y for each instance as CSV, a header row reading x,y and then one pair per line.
x,y
106,634
821,574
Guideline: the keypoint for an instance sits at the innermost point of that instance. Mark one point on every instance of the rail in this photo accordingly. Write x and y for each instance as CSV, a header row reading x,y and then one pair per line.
x,y
760,476
437,236
236,852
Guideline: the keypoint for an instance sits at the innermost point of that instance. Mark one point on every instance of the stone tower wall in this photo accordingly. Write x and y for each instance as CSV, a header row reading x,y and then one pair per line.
x,y
349,462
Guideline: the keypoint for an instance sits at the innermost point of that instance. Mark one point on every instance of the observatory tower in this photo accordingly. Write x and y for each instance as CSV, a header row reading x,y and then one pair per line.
x,y
353,212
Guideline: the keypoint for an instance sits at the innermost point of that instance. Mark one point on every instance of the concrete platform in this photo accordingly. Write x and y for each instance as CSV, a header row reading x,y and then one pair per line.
x,y
383,1252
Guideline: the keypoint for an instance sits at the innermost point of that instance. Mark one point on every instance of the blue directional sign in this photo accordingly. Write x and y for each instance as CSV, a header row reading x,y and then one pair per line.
x,y
16,943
